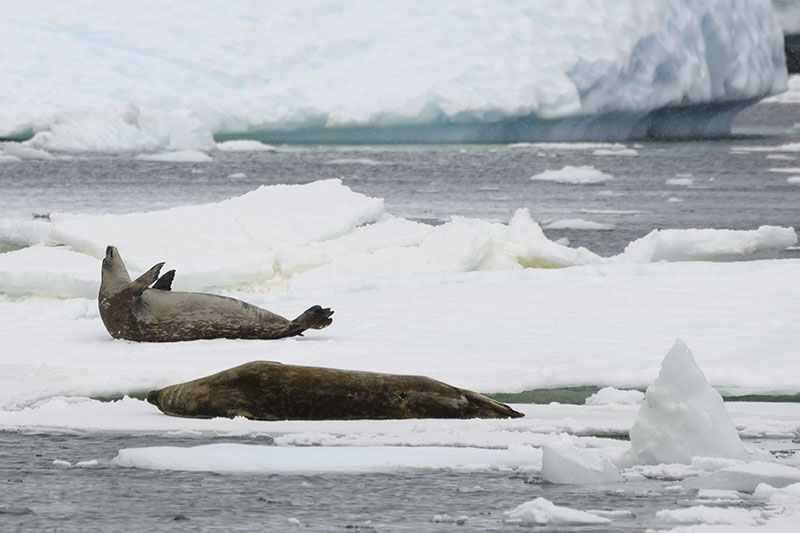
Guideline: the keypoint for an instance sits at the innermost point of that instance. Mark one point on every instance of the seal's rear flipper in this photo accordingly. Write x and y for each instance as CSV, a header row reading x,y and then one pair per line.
x,y
315,317
164,283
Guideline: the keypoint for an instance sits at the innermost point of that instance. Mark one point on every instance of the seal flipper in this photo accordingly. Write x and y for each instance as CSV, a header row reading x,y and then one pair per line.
x,y
315,317
138,285
164,283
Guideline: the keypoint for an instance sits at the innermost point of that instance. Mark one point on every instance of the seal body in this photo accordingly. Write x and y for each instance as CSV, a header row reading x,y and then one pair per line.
x,y
263,390
146,309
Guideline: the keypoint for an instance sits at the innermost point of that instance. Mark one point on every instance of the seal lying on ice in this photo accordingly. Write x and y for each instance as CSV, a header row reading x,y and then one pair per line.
x,y
136,311
263,390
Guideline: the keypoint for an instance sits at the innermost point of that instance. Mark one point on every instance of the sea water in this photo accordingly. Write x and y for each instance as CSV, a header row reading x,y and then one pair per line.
x,y
66,481
701,184
37,494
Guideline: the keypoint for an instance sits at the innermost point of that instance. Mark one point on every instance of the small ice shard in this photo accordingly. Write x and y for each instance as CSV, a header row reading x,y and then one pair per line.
x,y
565,463
746,477
682,417
543,511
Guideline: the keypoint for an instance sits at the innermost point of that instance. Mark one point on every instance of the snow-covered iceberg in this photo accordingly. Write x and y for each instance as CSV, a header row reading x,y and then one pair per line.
x,y
173,75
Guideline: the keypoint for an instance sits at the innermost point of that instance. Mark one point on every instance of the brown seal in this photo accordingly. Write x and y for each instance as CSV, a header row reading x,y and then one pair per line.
x,y
146,309
263,390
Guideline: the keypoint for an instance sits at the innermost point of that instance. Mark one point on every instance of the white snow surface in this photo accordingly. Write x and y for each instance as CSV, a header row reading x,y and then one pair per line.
x,y
319,237
389,280
167,75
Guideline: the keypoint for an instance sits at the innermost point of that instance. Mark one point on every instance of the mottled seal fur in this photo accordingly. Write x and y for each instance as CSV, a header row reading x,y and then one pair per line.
x,y
263,390
146,309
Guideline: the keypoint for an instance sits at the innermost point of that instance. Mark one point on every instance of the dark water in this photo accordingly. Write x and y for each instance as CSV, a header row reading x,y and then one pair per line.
x,y
730,188
36,495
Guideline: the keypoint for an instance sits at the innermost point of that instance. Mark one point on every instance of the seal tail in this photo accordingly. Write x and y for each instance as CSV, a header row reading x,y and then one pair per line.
x,y
315,317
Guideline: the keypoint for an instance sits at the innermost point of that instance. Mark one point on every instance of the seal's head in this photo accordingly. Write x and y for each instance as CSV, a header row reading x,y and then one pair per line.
x,y
152,397
114,275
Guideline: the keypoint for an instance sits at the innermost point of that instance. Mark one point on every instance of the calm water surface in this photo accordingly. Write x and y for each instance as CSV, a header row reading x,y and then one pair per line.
x,y
37,495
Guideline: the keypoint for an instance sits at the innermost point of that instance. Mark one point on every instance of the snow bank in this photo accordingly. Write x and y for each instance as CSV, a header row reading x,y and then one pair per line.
x,y
582,175
544,512
170,75
682,417
708,245
610,395
317,237
230,457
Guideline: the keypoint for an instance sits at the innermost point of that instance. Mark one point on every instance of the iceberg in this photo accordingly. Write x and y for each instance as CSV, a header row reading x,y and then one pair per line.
x,y
179,76
683,417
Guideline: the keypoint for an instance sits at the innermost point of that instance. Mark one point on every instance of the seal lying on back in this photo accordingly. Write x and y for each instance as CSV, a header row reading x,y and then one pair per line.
x,y
146,309
263,390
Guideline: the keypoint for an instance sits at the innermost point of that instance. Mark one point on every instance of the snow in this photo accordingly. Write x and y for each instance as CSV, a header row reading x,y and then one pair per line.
x,y
792,94
179,156
746,477
245,145
610,395
322,236
682,417
708,245
169,76
19,152
793,180
288,247
616,152
574,175
683,182
542,511
578,224
232,457
702,514
788,12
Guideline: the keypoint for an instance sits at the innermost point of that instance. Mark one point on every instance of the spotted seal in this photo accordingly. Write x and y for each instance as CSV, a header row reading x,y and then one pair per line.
x,y
263,390
147,310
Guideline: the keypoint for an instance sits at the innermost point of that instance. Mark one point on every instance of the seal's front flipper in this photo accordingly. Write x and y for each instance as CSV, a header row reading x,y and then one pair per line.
x,y
145,280
315,317
164,283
